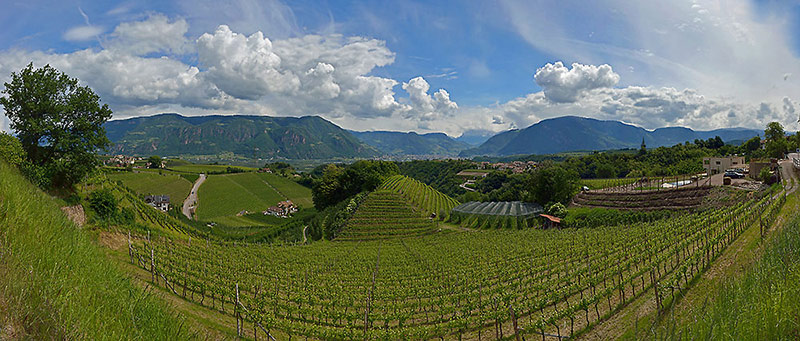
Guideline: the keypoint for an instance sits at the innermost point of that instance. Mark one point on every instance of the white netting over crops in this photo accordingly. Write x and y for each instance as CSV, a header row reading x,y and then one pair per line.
x,y
505,208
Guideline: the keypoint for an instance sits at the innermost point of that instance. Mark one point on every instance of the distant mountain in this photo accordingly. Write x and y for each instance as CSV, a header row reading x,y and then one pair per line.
x,y
475,137
571,133
411,143
308,137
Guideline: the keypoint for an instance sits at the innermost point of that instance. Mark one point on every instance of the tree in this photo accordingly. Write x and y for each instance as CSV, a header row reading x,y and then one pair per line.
x,y
11,150
752,144
155,161
58,122
774,132
553,184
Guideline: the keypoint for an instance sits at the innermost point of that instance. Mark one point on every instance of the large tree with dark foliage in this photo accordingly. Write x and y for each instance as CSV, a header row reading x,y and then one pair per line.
x,y
58,121
553,183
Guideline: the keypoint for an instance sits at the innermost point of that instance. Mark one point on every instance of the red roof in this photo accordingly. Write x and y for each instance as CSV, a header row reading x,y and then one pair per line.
x,y
556,220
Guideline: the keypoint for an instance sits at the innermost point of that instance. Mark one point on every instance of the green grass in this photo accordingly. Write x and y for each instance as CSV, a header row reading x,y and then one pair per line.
x,y
58,284
763,303
226,195
297,193
176,186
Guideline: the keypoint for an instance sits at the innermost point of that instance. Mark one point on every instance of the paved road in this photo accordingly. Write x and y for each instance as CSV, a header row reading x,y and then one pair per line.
x,y
191,200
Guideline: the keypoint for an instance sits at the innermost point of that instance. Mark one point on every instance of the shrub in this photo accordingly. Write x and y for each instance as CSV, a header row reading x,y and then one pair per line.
x,y
103,202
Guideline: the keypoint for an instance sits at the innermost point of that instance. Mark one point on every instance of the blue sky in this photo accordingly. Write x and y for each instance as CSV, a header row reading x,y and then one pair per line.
x,y
452,66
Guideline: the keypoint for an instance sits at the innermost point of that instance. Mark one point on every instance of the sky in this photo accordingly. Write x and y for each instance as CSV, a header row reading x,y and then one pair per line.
x,y
459,67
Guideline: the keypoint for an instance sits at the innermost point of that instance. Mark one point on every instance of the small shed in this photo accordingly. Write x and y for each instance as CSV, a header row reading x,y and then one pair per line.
x,y
550,221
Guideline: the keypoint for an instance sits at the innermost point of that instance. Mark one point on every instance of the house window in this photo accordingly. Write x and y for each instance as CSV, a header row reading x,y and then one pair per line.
x,y
717,162
706,161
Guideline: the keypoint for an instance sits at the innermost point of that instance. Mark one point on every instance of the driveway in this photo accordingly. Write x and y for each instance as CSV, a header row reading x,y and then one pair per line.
x,y
191,200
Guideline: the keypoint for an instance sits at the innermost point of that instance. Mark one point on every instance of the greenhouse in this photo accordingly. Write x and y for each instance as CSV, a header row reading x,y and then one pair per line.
x,y
502,214
506,208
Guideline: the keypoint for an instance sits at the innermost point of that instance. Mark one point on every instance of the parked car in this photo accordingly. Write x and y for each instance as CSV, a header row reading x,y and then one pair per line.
x,y
733,175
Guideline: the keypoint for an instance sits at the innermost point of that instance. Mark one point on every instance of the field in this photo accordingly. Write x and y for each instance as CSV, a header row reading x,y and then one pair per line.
x,y
485,284
207,169
606,183
385,214
297,193
176,186
422,196
227,195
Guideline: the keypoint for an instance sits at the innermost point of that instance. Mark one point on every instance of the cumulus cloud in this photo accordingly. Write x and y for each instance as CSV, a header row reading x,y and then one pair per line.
x,y
560,84
426,107
156,34
83,33
244,67
137,73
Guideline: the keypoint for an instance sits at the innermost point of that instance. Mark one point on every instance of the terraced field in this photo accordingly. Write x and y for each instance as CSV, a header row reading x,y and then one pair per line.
x,y
385,214
146,183
419,194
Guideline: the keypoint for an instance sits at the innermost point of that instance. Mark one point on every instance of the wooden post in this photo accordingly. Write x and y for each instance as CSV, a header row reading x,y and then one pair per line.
x,y
153,264
238,315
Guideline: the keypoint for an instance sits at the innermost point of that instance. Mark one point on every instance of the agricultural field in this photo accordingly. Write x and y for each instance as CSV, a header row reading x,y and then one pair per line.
x,y
475,285
207,169
144,183
386,214
227,195
595,184
297,193
419,194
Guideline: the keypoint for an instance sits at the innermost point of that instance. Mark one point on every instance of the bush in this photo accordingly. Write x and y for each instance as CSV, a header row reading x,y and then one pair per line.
x,y
11,150
557,209
103,202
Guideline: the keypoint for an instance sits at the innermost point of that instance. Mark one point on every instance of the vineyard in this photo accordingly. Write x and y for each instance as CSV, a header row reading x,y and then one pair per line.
x,y
385,214
477,285
422,196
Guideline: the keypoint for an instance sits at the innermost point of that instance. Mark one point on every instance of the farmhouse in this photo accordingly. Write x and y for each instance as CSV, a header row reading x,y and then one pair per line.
x,y
716,165
160,202
283,209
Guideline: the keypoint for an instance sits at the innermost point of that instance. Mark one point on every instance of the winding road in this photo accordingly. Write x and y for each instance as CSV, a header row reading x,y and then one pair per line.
x,y
191,200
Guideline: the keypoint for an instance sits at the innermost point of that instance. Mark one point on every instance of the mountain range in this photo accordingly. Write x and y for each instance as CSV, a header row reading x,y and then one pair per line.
x,y
411,143
572,133
308,137
312,137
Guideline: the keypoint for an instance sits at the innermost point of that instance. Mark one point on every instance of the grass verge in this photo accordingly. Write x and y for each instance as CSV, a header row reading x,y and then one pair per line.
x,y
58,284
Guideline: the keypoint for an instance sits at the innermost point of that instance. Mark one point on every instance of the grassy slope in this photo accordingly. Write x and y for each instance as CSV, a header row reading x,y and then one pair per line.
x,y
297,193
58,284
226,195
175,186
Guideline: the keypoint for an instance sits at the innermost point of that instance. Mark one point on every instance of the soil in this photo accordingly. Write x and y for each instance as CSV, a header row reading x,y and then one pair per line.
x,y
76,214
681,198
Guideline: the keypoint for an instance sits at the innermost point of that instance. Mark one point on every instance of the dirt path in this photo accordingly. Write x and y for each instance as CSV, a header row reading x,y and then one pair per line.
x,y
191,200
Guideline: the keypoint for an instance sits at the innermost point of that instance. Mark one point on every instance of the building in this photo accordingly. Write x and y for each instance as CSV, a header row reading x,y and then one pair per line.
x,y
717,165
283,209
160,202
550,221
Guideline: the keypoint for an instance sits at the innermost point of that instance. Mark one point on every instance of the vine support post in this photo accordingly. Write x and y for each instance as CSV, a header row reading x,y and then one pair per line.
x,y
153,265
237,313
514,318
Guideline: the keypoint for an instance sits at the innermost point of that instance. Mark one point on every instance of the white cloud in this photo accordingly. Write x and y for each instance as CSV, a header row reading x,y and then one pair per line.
x,y
83,33
244,67
561,84
4,125
425,107
156,34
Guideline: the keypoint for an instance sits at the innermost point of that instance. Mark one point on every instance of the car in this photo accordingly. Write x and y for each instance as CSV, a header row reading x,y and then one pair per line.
x,y
733,175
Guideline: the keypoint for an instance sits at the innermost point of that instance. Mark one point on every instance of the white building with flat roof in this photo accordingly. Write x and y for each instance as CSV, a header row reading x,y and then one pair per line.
x,y
716,165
